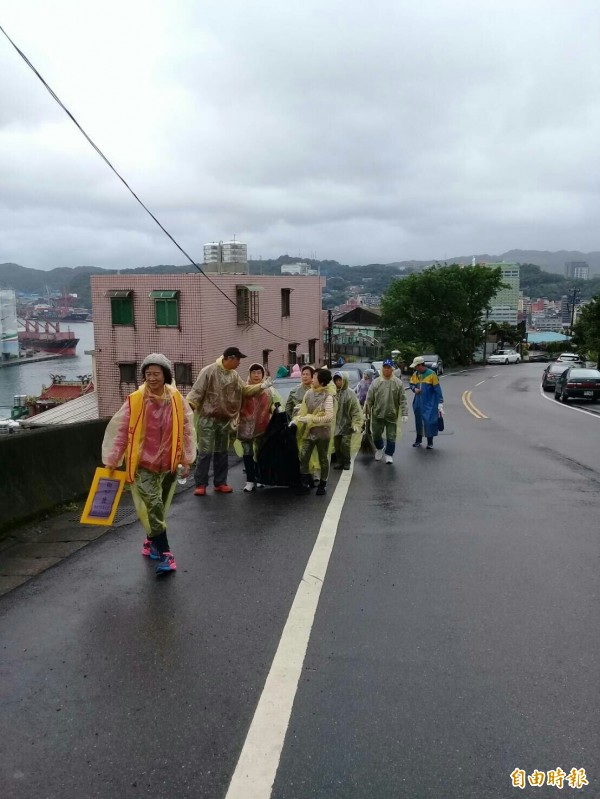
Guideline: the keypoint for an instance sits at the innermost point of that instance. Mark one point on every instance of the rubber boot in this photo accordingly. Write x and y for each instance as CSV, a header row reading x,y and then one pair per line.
x,y
322,489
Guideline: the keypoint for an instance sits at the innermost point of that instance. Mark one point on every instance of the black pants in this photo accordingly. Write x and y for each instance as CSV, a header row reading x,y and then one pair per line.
x,y
220,467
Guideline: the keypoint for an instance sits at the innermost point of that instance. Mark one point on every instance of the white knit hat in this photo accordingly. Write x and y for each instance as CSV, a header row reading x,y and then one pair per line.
x,y
158,359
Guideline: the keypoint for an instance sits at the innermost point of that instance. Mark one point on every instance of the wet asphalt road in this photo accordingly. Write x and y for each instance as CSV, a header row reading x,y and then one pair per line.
x,y
456,637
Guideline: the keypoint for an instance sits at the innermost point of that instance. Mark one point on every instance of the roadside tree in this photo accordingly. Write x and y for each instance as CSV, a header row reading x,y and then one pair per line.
x,y
441,309
587,330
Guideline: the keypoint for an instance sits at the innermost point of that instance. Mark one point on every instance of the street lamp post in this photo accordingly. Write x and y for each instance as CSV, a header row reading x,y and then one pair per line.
x,y
574,297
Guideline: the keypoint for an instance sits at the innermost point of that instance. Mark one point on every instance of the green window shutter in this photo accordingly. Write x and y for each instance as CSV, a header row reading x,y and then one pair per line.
x,y
121,310
172,313
161,312
166,307
167,313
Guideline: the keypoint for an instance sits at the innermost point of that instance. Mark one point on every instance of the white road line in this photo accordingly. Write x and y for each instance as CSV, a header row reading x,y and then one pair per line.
x,y
256,768
568,407
480,383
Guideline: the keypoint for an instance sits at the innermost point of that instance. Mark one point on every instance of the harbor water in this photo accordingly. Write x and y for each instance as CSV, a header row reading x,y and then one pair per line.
x,y
28,378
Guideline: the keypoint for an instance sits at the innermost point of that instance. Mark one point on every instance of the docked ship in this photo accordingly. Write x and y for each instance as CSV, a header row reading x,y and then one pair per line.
x,y
57,314
46,336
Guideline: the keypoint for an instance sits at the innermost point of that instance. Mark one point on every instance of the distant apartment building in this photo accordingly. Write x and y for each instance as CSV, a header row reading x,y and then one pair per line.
x,y
504,306
539,306
298,269
547,321
579,270
192,318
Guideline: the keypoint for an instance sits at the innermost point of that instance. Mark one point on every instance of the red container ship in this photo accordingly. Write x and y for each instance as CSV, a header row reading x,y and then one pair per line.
x,y
47,337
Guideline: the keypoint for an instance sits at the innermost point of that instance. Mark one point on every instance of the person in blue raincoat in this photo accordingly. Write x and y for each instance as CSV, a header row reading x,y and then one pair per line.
x,y
428,402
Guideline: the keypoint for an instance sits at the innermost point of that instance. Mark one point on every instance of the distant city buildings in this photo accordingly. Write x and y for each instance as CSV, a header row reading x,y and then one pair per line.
x,y
579,270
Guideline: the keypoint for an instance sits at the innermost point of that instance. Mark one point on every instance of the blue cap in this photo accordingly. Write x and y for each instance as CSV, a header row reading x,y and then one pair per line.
x,y
388,362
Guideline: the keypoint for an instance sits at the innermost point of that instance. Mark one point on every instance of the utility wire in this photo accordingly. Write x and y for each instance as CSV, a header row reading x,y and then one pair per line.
x,y
127,186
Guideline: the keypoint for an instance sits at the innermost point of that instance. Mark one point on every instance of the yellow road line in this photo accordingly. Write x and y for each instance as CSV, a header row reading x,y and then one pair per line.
x,y
473,410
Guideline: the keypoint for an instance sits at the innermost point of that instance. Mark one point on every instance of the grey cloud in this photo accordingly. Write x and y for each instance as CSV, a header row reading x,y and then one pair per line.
x,y
363,132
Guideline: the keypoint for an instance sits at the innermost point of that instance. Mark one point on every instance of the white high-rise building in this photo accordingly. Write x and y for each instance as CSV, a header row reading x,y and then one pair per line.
x,y
578,270
9,337
504,306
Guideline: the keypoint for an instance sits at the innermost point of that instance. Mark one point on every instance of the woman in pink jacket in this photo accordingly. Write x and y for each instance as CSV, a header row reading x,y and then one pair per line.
x,y
153,429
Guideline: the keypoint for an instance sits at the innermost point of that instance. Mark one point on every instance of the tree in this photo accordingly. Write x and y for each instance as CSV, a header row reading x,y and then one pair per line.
x,y
506,334
441,308
587,329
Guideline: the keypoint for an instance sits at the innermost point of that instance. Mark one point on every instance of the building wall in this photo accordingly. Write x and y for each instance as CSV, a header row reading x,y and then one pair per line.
x,y
207,325
41,469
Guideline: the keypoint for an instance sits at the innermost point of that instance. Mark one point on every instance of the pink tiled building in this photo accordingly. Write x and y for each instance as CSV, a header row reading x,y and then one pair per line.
x,y
191,319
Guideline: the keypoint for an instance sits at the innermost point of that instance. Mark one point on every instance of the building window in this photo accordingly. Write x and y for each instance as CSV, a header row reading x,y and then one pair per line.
x,y
292,357
285,301
183,374
166,308
121,307
128,372
246,298
265,359
312,350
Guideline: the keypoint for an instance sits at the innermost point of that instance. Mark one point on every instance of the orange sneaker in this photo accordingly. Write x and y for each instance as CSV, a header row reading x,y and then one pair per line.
x,y
223,489
200,491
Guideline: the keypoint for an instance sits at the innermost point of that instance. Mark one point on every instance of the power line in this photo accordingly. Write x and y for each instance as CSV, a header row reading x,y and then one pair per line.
x,y
124,182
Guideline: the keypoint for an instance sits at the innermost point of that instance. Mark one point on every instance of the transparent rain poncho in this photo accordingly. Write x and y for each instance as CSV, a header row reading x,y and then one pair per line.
x,y
349,416
218,392
153,467
386,400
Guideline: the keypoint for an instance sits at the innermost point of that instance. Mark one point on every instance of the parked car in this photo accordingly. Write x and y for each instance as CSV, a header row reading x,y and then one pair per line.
x,y
577,382
504,356
538,357
551,374
358,366
434,362
284,385
571,359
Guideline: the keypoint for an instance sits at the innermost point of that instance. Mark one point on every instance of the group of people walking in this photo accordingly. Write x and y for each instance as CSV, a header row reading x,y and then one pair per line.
x,y
160,433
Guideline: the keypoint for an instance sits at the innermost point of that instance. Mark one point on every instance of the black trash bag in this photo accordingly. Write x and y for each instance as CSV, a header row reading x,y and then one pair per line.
x,y
367,447
278,462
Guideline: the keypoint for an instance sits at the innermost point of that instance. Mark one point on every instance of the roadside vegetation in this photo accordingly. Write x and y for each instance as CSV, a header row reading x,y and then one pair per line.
x,y
586,332
441,310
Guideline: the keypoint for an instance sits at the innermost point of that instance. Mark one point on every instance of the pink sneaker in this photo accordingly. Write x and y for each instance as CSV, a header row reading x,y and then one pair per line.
x,y
149,550
166,563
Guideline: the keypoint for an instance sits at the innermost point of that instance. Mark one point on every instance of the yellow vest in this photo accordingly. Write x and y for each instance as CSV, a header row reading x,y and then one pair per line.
x,y
137,412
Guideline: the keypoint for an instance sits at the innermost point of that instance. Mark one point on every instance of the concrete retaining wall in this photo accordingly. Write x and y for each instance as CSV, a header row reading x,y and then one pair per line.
x,y
41,469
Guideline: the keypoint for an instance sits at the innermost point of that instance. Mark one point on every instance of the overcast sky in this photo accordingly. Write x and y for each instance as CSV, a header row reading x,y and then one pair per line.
x,y
340,129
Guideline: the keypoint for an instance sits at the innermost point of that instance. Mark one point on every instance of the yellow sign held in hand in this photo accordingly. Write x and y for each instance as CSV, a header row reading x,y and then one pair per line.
x,y
103,499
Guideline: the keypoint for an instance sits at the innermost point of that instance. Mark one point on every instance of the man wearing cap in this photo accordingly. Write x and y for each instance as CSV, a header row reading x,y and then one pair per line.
x,y
385,405
216,398
428,402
